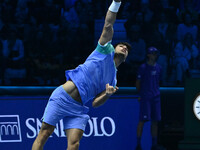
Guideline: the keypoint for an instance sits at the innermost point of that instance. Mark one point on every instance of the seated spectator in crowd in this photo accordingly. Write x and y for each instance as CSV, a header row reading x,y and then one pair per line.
x,y
72,14
69,3
196,5
191,45
125,10
8,9
148,13
165,3
14,54
185,51
187,26
41,30
21,13
137,19
138,53
163,38
189,6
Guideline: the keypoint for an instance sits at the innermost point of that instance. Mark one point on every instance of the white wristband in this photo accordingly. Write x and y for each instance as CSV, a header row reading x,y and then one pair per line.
x,y
114,7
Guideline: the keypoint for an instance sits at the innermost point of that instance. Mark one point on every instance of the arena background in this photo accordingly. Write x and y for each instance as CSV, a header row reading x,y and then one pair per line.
x,y
48,43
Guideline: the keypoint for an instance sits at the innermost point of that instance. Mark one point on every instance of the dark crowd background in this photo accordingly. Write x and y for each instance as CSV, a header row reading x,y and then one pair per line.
x,y
40,39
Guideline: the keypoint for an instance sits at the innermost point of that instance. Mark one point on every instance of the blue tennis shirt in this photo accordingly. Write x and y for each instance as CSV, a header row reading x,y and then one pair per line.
x,y
92,76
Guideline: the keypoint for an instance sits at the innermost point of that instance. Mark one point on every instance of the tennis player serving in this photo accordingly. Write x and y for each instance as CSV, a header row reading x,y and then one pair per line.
x,y
95,80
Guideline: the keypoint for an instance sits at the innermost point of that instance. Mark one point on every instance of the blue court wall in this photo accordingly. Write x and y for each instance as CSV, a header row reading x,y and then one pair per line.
x,y
111,127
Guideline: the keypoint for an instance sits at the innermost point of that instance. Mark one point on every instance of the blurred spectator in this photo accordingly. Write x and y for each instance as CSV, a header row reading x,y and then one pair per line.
x,y
99,10
1,24
148,13
196,5
90,19
69,4
8,10
138,52
191,45
86,44
125,10
163,39
48,64
185,52
189,6
165,3
21,13
156,6
72,14
14,52
29,31
45,34
52,11
187,26
137,19
42,55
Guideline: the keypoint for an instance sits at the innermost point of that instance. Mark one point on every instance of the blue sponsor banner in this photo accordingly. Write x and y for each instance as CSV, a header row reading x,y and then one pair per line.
x,y
111,126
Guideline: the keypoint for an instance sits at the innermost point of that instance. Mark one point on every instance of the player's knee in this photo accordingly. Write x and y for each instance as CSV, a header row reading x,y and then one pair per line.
x,y
74,145
46,130
45,133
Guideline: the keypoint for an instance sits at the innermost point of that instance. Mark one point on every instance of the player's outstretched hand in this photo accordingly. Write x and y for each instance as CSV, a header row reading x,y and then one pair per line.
x,y
110,89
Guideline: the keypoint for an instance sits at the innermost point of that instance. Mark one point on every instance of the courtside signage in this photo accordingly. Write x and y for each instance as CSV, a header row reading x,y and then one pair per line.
x,y
20,123
10,130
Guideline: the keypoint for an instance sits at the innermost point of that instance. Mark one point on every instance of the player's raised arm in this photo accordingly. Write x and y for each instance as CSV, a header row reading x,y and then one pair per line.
x,y
108,31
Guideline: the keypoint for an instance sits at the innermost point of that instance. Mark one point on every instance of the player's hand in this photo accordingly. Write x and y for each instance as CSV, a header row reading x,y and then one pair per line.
x,y
110,89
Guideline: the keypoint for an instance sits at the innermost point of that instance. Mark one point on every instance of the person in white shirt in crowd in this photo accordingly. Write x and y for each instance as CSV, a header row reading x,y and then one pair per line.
x,y
185,53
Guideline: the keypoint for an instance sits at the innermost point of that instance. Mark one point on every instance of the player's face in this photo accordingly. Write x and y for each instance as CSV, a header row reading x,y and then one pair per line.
x,y
122,49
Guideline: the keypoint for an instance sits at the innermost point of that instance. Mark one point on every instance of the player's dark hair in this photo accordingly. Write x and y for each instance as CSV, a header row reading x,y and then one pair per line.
x,y
124,43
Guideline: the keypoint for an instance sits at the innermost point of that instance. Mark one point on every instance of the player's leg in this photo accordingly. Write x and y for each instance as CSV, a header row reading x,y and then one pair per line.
x,y
140,128
144,115
139,134
154,132
74,127
73,138
45,131
154,128
156,116
52,114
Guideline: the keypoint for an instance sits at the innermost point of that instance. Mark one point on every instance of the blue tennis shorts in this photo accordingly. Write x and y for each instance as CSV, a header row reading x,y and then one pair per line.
x,y
150,109
62,106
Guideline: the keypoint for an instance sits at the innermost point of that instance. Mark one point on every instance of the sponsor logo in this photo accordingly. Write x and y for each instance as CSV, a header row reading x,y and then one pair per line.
x,y
95,127
10,130
102,129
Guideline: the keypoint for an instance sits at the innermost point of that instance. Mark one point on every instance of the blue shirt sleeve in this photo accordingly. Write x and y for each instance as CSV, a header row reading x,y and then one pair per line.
x,y
105,49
